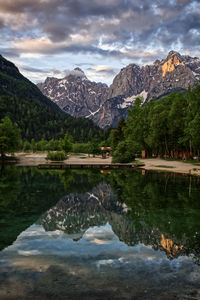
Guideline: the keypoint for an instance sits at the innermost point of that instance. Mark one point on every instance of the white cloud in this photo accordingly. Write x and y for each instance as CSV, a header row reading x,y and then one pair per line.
x,y
40,45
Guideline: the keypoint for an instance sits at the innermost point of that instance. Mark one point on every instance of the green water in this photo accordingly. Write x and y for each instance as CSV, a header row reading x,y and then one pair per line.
x,y
89,235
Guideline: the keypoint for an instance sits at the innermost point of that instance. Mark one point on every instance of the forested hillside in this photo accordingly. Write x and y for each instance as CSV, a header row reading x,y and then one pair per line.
x,y
13,83
38,121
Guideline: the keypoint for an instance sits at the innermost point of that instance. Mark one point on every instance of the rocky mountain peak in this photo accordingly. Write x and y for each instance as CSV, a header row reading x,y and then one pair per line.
x,y
173,59
77,73
173,53
156,62
75,94
78,69
49,79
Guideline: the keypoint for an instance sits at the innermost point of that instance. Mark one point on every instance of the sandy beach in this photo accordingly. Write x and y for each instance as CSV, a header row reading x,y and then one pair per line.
x,y
171,166
33,159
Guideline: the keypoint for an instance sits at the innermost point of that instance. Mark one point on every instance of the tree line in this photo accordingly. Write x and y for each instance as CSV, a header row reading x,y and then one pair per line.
x,y
160,127
11,141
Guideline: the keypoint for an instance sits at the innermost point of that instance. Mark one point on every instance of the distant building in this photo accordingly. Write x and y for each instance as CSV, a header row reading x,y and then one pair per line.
x,y
144,154
105,151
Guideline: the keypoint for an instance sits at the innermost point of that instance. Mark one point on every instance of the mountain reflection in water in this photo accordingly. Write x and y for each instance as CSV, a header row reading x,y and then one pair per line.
x,y
75,213
122,236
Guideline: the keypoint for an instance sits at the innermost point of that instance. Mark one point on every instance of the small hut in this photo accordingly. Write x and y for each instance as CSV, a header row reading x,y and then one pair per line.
x,y
105,151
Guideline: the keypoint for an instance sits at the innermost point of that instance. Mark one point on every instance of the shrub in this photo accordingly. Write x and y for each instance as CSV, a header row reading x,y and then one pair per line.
x,y
123,153
56,156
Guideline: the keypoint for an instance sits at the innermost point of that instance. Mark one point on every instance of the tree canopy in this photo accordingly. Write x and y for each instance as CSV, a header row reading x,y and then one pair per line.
x,y
9,137
67,143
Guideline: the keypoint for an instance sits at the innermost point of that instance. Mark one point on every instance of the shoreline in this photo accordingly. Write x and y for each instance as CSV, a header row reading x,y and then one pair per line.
x,y
170,166
33,159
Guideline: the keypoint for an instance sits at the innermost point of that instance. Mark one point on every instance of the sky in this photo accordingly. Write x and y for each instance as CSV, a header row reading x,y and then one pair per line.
x,y
51,37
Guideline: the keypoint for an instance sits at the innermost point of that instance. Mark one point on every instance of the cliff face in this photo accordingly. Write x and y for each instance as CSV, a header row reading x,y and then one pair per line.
x,y
81,97
75,94
174,72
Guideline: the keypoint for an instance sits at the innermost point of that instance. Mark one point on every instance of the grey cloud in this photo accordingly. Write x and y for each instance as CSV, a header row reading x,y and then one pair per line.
x,y
100,72
54,72
107,72
182,30
84,64
119,23
9,52
77,73
84,49
183,1
55,30
1,24
19,6
34,70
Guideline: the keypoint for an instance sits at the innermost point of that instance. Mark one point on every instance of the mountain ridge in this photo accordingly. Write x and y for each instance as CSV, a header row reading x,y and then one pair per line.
x,y
13,83
106,105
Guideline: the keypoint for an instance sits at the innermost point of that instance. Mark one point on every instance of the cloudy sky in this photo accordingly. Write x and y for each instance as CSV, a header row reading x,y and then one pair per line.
x,y
50,37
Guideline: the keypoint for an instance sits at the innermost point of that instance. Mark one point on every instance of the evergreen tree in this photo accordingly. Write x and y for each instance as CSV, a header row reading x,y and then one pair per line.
x,y
10,139
67,143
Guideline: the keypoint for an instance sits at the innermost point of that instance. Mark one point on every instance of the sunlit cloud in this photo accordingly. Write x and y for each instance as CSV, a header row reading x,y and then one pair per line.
x,y
114,30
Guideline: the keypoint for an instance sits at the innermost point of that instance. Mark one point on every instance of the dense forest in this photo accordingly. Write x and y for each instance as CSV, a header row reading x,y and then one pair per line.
x,y
161,127
37,121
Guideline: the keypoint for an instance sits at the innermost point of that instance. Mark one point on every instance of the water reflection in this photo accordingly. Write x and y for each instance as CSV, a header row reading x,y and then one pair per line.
x,y
51,264
75,213
117,236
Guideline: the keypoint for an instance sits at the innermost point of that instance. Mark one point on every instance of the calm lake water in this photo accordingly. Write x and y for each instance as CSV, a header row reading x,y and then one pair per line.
x,y
93,235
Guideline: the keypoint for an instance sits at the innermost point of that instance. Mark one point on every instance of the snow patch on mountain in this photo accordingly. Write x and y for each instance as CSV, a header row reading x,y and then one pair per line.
x,y
129,101
93,113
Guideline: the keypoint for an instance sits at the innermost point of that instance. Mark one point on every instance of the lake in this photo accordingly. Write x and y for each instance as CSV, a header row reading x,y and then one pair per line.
x,y
81,234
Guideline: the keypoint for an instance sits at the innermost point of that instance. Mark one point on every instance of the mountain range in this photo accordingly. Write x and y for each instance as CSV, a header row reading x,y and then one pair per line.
x,y
80,97
66,100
